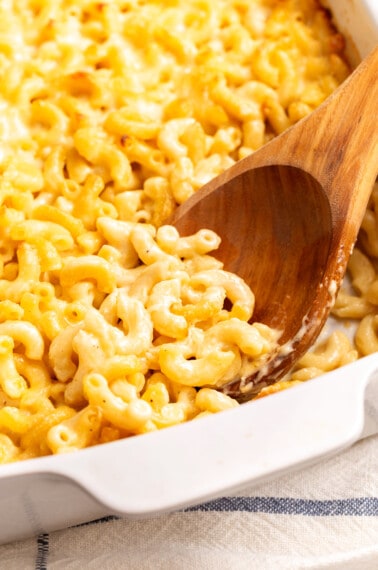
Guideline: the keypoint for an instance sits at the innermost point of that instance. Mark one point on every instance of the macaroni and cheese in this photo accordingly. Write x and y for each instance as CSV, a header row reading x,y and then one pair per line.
x,y
112,114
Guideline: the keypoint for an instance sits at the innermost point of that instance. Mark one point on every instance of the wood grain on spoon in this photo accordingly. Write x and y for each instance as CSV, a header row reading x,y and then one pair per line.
x,y
289,215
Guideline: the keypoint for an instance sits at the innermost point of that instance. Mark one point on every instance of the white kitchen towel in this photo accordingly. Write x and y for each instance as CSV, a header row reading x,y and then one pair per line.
x,y
320,518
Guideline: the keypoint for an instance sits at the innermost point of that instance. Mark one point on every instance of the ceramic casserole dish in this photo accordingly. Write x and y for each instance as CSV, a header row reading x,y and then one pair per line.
x,y
197,461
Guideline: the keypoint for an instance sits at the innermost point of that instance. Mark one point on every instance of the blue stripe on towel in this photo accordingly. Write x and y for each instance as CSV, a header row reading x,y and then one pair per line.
x,y
42,552
361,506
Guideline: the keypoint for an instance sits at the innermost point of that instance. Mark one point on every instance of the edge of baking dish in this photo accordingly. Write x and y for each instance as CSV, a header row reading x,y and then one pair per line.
x,y
174,468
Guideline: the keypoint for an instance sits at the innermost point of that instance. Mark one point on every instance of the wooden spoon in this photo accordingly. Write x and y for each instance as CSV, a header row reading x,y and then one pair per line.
x,y
289,215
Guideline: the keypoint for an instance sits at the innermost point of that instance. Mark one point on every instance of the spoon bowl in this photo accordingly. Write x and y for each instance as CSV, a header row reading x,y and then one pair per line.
x,y
289,215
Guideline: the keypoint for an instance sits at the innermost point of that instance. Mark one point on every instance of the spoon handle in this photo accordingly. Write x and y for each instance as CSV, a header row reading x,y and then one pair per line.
x,y
338,146
339,143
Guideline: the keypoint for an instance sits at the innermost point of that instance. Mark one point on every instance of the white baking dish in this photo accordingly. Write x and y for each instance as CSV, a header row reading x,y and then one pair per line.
x,y
197,461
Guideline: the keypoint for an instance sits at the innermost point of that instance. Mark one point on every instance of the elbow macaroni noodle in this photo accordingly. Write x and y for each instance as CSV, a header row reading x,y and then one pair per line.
x,y
112,114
